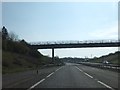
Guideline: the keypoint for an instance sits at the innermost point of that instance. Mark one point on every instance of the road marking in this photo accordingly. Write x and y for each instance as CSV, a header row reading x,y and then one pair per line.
x,y
42,79
95,79
105,85
88,75
58,69
79,69
36,84
50,74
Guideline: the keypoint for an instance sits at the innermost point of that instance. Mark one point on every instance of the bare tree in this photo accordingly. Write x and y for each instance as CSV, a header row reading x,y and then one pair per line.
x,y
13,36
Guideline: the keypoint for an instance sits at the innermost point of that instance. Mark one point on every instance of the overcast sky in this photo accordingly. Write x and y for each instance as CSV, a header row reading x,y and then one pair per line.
x,y
56,21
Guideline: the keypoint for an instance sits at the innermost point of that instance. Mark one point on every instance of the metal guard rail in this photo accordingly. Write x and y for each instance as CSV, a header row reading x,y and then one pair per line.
x,y
101,65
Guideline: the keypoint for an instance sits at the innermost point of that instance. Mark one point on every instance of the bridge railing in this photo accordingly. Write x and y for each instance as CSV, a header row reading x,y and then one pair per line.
x,y
73,42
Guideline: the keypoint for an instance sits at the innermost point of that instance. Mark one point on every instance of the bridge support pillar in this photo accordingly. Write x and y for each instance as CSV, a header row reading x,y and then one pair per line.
x,y
53,54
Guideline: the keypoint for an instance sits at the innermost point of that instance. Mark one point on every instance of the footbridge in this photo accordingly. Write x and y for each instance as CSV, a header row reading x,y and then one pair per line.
x,y
74,44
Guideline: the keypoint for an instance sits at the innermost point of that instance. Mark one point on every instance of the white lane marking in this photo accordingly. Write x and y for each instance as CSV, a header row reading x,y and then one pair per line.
x,y
58,69
36,84
79,69
42,80
50,74
88,75
95,79
53,72
105,85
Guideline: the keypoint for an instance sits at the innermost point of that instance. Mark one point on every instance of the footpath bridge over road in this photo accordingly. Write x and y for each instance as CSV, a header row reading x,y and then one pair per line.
x,y
74,44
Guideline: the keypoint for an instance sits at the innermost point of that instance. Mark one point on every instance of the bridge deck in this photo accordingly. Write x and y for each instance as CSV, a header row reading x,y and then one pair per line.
x,y
76,44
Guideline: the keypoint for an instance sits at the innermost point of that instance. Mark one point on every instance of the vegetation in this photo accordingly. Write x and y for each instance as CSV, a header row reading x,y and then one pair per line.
x,y
18,56
112,58
72,60
12,44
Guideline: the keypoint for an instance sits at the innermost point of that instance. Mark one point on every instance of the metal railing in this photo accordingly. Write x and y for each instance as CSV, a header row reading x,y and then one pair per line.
x,y
102,65
74,42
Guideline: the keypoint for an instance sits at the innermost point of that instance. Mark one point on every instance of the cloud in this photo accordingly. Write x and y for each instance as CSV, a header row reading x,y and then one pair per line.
x,y
106,33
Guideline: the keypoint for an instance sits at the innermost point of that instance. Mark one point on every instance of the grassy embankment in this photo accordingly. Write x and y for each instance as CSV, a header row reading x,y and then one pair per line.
x,y
17,55
113,58
14,62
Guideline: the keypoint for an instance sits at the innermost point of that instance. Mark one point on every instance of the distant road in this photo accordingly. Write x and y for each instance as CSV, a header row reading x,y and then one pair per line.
x,y
68,76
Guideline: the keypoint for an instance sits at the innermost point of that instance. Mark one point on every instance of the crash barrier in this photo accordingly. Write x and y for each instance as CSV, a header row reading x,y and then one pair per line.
x,y
113,67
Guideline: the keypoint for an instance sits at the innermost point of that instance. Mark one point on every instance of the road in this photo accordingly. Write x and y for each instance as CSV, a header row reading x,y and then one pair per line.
x,y
68,76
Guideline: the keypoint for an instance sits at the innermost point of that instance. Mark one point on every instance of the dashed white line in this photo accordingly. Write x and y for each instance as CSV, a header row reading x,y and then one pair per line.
x,y
105,85
50,74
96,79
36,84
58,69
84,72
88,75
42,79
79,69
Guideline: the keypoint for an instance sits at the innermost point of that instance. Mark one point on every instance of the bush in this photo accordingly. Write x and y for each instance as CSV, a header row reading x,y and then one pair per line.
x,y
5,64
18,62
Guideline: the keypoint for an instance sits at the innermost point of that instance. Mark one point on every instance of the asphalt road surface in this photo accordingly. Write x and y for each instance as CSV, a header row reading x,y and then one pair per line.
x,y
68,76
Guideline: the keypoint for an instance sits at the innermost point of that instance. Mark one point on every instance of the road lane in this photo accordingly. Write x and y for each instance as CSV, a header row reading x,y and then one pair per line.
x,y
69,77
106,76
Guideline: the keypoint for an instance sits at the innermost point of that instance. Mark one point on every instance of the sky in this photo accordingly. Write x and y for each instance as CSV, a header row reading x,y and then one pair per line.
x,y
63,21
0,14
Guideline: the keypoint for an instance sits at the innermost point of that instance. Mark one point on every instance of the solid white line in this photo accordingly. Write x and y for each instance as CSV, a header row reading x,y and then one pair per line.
x,y
50,74
105,85
88,75
79,69
36,84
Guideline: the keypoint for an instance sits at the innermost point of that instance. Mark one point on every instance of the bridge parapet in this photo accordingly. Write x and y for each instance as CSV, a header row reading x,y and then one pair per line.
x,y
74,42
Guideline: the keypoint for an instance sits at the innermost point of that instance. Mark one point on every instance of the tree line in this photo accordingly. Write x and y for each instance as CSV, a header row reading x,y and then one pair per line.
x,y
11,43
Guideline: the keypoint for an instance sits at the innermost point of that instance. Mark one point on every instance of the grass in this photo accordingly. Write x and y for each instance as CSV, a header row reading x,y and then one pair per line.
x,y
112,58
12,62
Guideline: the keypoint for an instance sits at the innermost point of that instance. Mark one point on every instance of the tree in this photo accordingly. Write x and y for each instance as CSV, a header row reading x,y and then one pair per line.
x,y
13,36
5,37
4,33
23,42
